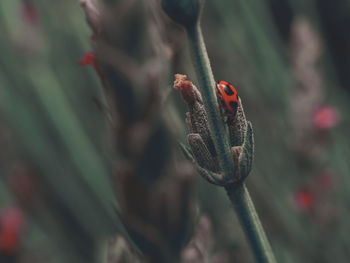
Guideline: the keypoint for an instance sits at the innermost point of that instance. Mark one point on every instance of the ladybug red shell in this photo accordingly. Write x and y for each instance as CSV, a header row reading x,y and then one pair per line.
x,y
227,97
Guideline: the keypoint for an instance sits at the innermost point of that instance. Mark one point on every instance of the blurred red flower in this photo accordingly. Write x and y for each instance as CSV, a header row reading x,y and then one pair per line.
x,y
91,59
11,224
29,14
325,117
88,59
303,200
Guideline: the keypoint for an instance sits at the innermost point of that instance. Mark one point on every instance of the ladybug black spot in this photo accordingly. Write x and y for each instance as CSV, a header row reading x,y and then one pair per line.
x,y
233,105
228,90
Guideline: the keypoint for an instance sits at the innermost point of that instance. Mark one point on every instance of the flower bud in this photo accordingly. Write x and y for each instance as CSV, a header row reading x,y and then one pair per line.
x,y
184,12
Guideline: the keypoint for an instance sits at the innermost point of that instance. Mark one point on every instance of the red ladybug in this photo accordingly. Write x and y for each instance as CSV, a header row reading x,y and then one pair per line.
x,y
227,97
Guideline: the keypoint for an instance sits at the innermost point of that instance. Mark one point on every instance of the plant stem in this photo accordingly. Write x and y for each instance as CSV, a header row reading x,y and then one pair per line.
x,y
207,88
250,221
238,193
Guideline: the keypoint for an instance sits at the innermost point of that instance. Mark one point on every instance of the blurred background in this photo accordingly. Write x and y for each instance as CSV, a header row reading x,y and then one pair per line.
x,y
90,123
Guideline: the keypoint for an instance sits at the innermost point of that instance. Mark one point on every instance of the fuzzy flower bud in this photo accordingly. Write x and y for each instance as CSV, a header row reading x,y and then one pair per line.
x,y
184,12
201,142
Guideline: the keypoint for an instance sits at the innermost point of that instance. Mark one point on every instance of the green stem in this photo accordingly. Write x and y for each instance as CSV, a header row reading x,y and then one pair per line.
x,y
239,195
207,89
250,221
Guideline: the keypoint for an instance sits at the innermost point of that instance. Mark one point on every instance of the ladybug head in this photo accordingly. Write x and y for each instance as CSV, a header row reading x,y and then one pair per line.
x,y
227,97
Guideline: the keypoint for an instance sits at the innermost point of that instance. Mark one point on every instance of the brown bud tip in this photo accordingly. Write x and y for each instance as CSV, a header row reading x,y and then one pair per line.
x,y
188,91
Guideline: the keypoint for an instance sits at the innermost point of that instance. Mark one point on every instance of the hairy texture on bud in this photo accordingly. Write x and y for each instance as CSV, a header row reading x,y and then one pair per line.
x,y
201,142
196,118
237,127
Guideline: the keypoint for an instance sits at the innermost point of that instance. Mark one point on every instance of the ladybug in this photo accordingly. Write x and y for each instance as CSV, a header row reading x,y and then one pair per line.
x,y
227,98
